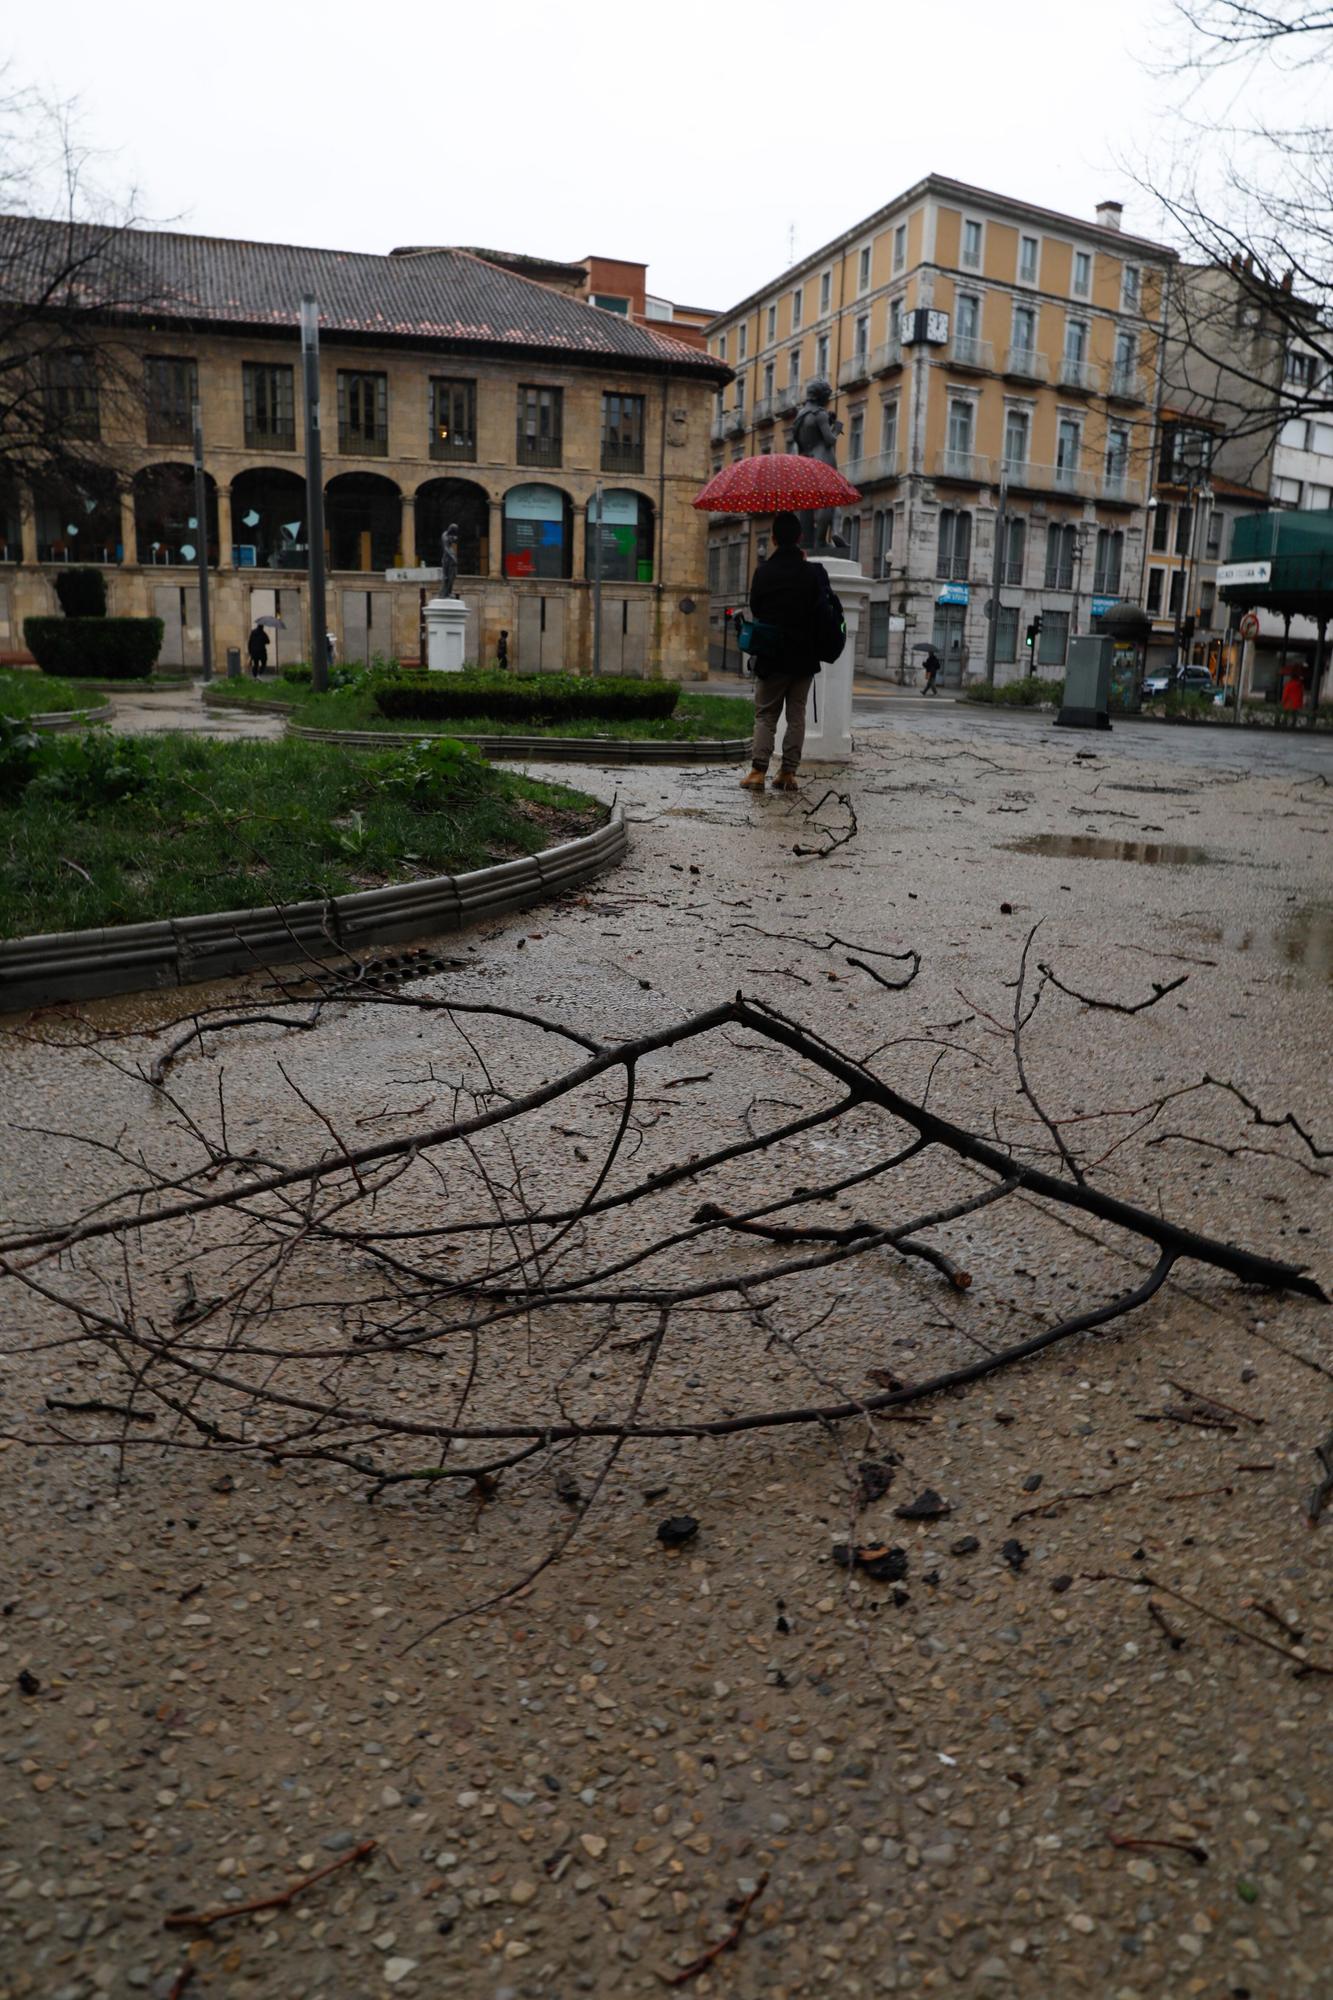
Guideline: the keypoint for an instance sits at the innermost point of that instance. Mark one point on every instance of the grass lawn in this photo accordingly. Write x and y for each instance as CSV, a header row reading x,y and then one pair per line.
x,y
223,826
697,716
42,694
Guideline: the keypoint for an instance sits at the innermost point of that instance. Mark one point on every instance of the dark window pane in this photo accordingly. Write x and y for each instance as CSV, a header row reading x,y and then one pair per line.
x,y
270,405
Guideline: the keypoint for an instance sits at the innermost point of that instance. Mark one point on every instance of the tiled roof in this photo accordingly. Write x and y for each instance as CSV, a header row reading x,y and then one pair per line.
x,y
447,296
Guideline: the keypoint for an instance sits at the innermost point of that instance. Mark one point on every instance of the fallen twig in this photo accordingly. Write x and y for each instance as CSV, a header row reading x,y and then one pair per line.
x,y
1159,992
1319,1496
1144,1581
182,1920
1190,1847
1046,1507
1175,1640
1213,1402
742,1907
92,1406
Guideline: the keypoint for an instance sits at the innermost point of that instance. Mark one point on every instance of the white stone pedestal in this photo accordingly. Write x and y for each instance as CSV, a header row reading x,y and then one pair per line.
x,y
828,715
446,632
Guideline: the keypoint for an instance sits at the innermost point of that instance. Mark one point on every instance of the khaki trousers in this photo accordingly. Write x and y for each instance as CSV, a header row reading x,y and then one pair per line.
x,y
771,696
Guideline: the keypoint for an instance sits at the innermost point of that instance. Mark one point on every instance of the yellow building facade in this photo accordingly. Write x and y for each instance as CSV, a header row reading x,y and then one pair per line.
x,y
973,342
452,392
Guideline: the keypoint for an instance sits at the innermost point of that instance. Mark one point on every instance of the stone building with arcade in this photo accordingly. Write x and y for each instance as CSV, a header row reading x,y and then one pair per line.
x,y
453,389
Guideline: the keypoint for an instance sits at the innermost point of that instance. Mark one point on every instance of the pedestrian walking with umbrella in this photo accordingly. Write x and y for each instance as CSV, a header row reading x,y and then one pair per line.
x,y
796,622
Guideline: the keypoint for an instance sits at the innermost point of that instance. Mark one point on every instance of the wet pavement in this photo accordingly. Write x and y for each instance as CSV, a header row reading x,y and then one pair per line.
x,y
943,1785
181,711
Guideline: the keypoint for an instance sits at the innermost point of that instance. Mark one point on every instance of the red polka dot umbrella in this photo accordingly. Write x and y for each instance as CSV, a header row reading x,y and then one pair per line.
x,y
775,482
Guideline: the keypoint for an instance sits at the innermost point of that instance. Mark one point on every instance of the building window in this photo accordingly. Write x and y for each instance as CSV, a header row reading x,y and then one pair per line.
x,y
954,550
900,247
1060,543
851,529
1177,591
1024,336
538,532
1184,526
738,390
794,366
1067,441
877,646
540,425
1299,369
821,355
270,405
888,430
771,324
1207,603
1126,359
797,302
170,388
1015,551
722,347
1006,634
363,413
1017,433
1161,529
71,395
883,542
863,270
1082,274
825,290
714,568
861,344
453,418
1130,289
769,372
1155,589
622,433
732,581
1076,341
1214,533
1028,249
960,432
1053,639
856,436
626,537
967,318
1107,562
971,253
1287,492
742,340
1117,455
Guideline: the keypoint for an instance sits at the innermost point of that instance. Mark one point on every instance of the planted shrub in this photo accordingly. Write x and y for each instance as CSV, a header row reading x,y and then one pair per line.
x,y
100,649
536,698
82,593
1029,692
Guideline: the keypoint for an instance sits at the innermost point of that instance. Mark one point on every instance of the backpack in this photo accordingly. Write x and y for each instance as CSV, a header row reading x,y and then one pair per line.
x,y
830,627
757,639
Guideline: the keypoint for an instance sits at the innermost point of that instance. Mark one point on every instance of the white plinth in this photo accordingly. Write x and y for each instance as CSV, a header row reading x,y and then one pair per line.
x,y
828,717
446,635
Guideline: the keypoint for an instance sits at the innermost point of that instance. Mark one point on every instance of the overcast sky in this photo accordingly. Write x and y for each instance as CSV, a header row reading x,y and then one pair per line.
x,y
700,138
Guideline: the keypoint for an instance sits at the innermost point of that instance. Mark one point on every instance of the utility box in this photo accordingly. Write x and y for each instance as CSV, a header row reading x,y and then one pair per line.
x,y
1087,698
233,663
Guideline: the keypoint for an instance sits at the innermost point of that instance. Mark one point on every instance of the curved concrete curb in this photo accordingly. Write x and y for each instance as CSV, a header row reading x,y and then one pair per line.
x,y
146,684
551,749
66,718
85,965
220,702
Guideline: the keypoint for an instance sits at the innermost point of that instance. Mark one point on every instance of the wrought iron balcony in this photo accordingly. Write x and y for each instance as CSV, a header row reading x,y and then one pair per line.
x,y
1084,377
538,450
1126,386
1025,364
971,353
621,455
1122,487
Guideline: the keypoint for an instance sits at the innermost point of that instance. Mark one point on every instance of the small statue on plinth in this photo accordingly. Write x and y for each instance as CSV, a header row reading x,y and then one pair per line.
x,y
815,434
449,560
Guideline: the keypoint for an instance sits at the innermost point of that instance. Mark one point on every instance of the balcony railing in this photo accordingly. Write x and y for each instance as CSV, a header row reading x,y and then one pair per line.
x,y
887,356
787,401
967,466
457,447
1083,376
538,450
622,455
1013,573
1059,576
717,430
857,369
1126,386
968,352
867,471
1025,364
371,441
1120,486
733,424
763,409
1054,479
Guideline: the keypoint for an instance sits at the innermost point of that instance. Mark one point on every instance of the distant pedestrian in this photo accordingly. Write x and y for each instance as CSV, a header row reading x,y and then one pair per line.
x,y
257,647
502,653
330,648
787,598
1293,689
932,671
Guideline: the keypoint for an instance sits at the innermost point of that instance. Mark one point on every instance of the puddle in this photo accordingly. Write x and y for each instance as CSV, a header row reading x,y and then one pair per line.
x,y
1303,944
1090,847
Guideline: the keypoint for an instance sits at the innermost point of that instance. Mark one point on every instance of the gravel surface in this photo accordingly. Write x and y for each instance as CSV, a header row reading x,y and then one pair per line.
x,y
218,1674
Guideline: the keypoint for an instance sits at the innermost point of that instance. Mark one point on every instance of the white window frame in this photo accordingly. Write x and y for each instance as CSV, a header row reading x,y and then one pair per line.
x,y
861,337
742,340
972,222
1023,277
962,299
1075,323
864,260
1077,291
954,399
797,307
900,248
772,323
722,347
1131,294
825,292
888,426
821,356
1025,411
1024,346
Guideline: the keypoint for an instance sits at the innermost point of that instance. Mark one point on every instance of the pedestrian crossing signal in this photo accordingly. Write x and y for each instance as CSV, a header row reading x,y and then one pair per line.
x,y
1033,633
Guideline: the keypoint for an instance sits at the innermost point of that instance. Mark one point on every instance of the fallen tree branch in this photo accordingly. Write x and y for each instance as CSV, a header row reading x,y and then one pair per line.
x,y
742,1907
202,1920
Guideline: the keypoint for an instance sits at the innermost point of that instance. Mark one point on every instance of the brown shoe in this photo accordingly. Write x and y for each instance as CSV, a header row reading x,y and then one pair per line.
x,y
786,781
754,781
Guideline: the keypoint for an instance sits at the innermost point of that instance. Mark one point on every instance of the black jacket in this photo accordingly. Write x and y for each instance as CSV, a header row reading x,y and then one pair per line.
x,y
786,592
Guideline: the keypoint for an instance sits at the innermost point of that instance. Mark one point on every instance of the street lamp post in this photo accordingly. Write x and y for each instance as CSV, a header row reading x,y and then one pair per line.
x,y
314,497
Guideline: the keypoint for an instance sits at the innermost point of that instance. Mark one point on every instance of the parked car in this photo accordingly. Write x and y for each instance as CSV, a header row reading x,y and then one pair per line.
x,y
1185,680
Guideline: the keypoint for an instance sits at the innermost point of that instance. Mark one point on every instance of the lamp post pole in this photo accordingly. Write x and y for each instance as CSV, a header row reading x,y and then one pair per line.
x,y
997,578
314,497
597,588
201,520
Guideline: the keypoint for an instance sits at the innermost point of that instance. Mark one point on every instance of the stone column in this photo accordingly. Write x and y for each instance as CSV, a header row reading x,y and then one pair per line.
x,y
828,727
129,542
580,556
409,534
224,527
497,538
27,527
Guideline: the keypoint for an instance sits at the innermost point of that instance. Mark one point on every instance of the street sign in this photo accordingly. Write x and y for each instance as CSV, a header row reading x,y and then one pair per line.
x,y
1231,574
413,575
952,593
1101,605
1249,625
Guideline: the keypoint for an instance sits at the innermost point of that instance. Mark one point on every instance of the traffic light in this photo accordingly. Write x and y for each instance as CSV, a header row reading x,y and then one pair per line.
x,y
1033,634
1186,634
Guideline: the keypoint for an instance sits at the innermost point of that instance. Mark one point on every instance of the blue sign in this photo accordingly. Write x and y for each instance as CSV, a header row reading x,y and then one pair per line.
x,y
1101,605
953,593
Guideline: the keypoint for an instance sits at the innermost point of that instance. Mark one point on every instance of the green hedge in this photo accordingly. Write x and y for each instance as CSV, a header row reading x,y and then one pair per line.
x,y
99,649
1032,691
532,698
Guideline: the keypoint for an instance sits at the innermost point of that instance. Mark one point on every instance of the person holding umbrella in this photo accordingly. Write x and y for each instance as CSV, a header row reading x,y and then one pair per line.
x,y
786,598
257,648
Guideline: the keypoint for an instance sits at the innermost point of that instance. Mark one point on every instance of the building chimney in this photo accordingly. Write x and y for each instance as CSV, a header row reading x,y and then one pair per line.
x,y
1109,213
